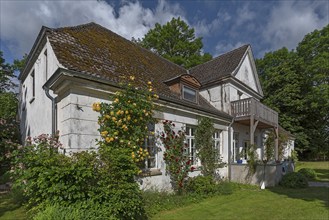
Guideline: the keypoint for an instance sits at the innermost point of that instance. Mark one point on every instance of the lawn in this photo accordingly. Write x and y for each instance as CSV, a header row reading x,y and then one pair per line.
x,y
275,203
9,210
321,168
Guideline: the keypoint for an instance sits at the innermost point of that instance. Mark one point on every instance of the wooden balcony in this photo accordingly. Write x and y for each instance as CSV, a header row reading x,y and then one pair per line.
x,y
243,110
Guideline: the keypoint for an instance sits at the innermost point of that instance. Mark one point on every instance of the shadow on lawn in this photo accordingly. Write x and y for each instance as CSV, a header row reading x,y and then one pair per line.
x,y
306,194
7,204
322,174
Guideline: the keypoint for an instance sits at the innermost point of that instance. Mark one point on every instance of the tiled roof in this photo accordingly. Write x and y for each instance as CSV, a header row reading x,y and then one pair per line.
x,y
219,67
94,50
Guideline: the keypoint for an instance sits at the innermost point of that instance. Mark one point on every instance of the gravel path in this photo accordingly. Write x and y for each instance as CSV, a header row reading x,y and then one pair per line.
x,y
318,184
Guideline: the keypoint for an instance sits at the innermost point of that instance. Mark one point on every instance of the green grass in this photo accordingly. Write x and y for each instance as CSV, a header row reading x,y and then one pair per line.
x,y
275,203
10,210
321,168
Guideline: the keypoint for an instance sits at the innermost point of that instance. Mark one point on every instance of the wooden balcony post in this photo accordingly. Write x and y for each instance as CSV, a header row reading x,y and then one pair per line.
x,y
251,129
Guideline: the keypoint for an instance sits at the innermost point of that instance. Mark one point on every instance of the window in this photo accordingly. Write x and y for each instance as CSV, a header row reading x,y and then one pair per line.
x,y
46,64
33,86
216,138
189,94
191,144
150,145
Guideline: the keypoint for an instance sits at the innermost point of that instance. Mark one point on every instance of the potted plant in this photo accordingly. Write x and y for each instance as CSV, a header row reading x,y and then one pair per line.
x,y
240,156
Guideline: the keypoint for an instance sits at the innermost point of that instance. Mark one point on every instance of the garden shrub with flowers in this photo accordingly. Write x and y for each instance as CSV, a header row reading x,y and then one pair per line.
x,y
177,161
9,141
206,151
123,128
93,181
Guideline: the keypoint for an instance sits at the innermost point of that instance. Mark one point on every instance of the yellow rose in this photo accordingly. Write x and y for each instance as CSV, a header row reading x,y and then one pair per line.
x,y
116,100
127,112
114,119
104,133
111,113
96,106
107,116
149,83
107,139
128,118
132,78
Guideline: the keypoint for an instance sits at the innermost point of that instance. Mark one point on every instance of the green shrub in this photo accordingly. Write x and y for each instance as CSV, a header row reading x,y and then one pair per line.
x,y
202,185
76,211
294,180
309,173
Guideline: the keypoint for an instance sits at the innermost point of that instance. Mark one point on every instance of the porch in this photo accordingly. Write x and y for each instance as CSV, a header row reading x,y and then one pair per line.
x,y
254,114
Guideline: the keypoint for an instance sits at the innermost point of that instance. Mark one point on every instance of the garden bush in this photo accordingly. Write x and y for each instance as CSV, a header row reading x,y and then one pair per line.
x,y
294,180
106,178
309,173
77,211
202,185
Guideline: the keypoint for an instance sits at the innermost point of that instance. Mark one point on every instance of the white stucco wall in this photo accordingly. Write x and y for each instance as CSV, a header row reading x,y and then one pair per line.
x,y
78,127
246,75
35,112
218,96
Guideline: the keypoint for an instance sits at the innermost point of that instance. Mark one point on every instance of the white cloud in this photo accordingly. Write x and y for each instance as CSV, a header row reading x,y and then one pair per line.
x,y
204,29
244,15
21,21
224,48
291,20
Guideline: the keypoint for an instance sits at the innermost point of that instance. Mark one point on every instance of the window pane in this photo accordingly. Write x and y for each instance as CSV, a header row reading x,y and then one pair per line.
x,y
189,94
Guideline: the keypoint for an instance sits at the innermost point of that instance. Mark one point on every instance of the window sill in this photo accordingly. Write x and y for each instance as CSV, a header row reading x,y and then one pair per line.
x,y
32,100
151,172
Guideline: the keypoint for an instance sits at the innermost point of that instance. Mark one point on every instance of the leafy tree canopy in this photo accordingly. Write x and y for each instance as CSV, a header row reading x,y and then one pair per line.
x,y
176,42
296,84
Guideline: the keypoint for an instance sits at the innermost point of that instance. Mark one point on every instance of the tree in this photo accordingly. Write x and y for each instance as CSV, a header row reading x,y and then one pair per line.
x,y
6,73
314,54
295,83
176,42
9,133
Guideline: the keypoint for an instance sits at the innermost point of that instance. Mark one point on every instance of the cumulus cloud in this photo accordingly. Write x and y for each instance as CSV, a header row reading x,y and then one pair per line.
x,y
21,21
204,28
291,20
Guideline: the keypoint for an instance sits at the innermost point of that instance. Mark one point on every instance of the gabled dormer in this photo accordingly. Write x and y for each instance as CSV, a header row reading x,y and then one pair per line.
x,y
186,87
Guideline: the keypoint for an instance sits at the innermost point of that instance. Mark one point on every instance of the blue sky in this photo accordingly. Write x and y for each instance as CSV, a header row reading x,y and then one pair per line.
x,y
223,24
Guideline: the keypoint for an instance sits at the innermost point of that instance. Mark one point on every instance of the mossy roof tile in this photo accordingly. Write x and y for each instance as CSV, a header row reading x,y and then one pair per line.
x,y
94,50
219,67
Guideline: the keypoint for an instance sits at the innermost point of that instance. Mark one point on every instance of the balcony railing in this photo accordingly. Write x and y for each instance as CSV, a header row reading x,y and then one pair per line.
x,y
247,107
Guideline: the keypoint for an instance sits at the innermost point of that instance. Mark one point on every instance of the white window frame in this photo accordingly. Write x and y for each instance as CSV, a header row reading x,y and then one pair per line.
x,y
32,86
191,89
190,141
150,145
217,142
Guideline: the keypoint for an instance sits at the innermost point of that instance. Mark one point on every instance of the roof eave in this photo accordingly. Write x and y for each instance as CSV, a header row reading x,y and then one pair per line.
x,y
29,61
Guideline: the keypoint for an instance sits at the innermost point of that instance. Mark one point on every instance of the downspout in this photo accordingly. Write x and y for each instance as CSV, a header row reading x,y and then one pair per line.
x,y
229,150
53,111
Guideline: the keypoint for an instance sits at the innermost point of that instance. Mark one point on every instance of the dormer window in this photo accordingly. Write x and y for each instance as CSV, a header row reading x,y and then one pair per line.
x,y
189,94
185,86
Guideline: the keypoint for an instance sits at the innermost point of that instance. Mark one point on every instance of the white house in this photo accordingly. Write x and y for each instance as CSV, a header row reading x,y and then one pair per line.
x,y
68,69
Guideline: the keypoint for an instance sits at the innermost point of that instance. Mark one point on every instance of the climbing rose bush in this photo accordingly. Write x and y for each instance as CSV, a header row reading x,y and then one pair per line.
x,y
177,161
123,129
